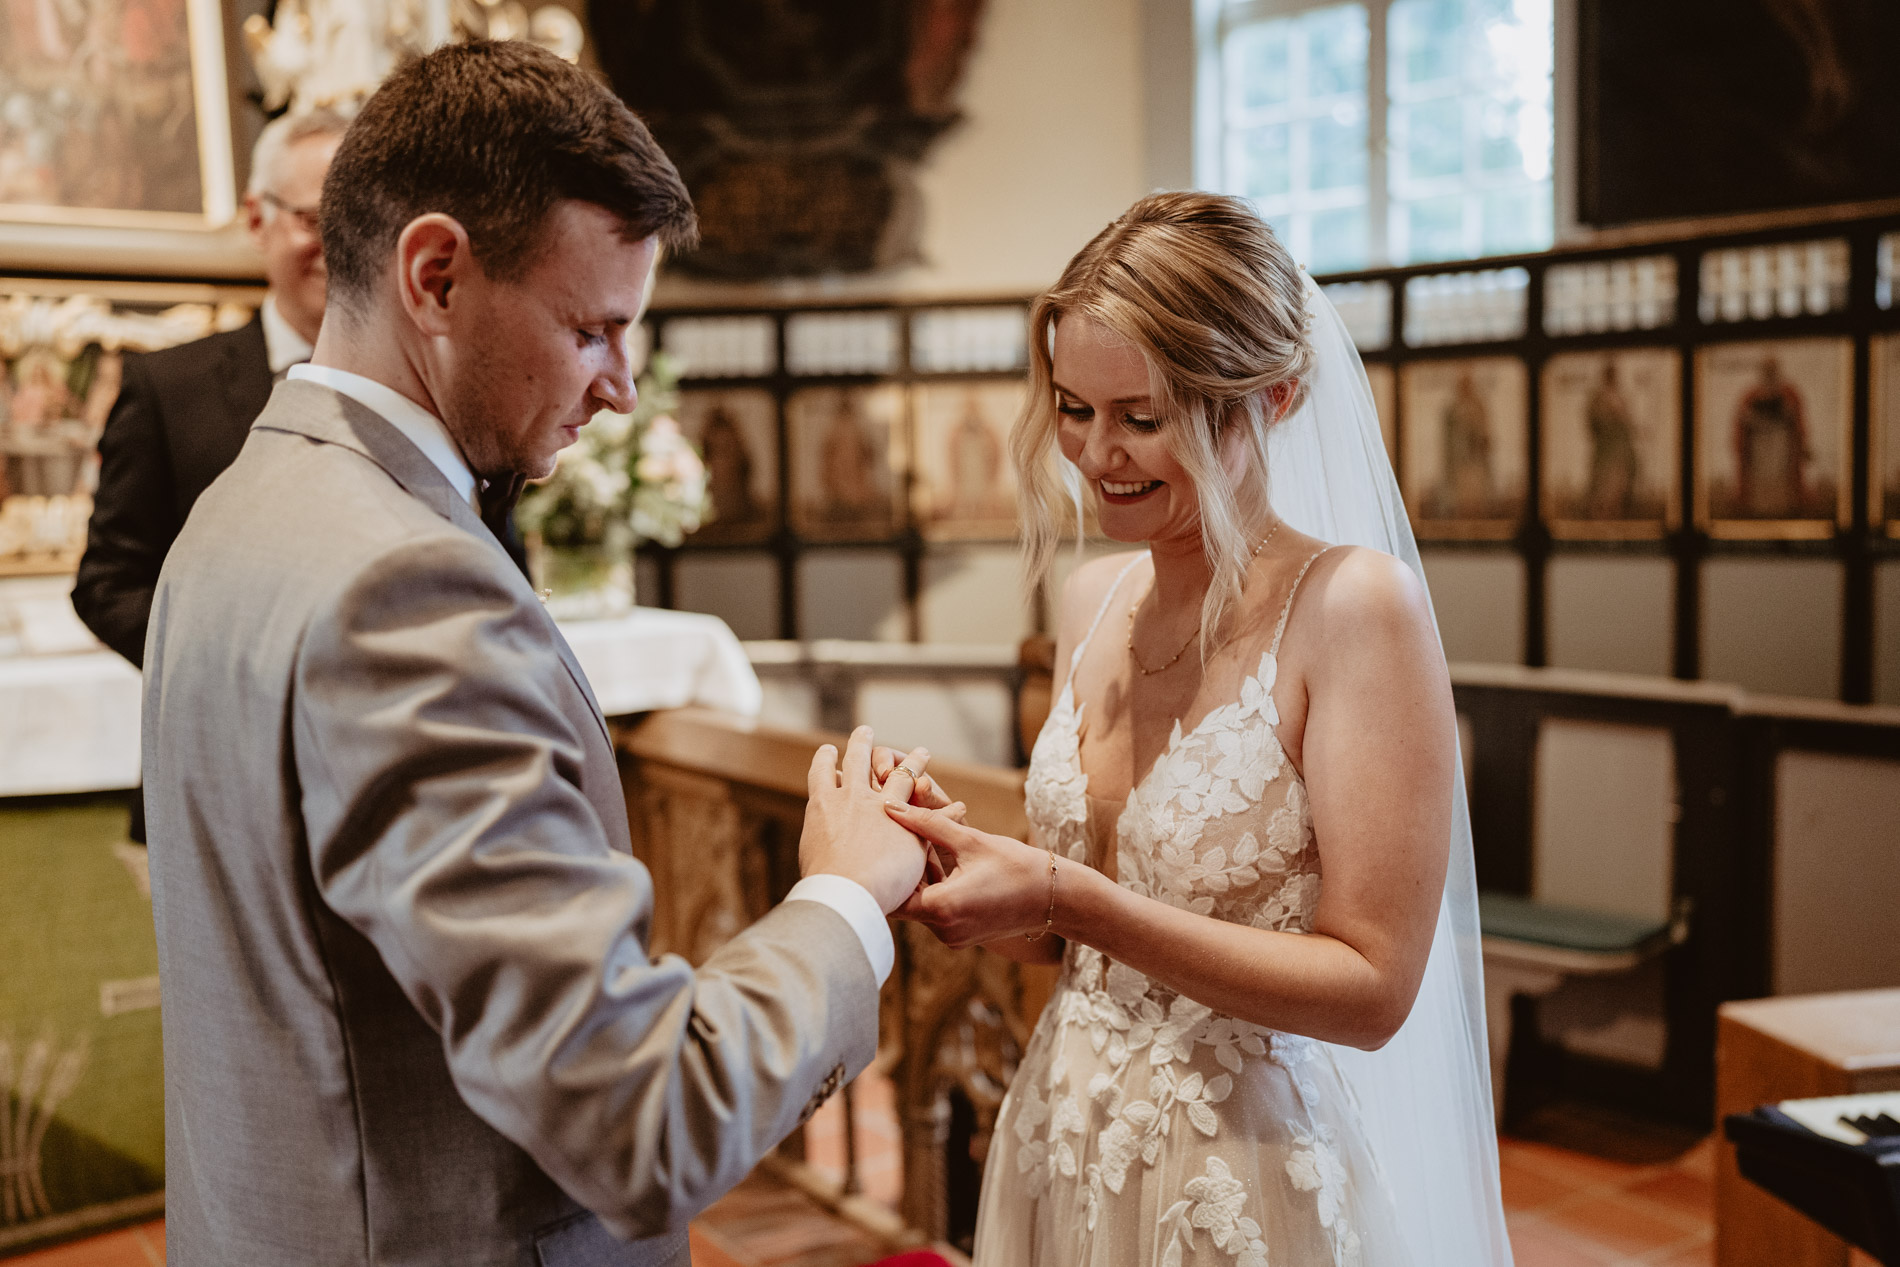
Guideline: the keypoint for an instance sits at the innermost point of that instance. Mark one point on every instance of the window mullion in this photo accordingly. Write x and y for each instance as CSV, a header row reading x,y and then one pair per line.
x,y
1212,145
1233,15
1377,199
1299,150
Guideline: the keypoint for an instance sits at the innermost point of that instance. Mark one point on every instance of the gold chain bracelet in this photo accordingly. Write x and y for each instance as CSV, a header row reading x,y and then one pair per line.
x,y
1049,920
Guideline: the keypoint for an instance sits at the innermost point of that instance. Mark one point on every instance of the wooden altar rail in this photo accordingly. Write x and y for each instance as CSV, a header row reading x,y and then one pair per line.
x,y
716,804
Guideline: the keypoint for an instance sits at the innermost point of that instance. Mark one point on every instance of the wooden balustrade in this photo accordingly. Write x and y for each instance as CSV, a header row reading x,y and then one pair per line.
x,y
716,805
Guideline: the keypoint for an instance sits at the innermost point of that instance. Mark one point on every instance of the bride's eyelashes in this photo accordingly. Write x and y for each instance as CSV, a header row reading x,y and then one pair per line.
x,y
1083,413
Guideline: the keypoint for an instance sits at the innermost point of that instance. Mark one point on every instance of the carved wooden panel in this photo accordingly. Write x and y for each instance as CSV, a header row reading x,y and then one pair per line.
x,y
960,1032
716,806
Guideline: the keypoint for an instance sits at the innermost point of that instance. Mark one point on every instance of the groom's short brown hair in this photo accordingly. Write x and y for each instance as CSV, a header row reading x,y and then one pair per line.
x,y
493,134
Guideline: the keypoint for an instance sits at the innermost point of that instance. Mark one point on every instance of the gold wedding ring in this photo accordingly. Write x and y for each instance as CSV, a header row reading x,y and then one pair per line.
x,y
914,774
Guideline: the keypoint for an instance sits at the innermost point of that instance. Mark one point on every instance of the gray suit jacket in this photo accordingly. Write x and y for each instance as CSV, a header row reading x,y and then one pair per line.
x,y
409,1013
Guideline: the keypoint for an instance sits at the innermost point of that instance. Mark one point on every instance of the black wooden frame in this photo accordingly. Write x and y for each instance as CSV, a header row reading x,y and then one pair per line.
x,y
1723,855
784,543
1858,547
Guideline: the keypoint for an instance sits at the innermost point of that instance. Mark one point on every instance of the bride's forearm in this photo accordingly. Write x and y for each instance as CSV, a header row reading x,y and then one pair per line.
x,y
1309,984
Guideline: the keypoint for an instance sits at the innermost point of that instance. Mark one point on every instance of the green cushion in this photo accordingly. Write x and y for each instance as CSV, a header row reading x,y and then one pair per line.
x,y
1567,927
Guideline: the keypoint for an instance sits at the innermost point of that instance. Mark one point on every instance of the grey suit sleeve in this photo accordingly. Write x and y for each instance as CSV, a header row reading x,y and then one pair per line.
x,y
440,774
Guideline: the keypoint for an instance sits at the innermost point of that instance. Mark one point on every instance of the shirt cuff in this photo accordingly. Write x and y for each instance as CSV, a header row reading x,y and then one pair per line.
x,y
860,910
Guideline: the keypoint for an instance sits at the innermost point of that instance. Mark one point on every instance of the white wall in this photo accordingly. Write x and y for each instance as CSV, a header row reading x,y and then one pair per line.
x,y
1479,601
1773,625
1837,868
1051,149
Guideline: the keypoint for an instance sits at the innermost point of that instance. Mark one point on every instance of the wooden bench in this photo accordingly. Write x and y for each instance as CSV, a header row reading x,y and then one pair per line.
x,y
1531,948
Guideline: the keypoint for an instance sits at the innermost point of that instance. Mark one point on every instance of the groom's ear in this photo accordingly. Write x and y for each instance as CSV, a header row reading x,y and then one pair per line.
x,y
433,258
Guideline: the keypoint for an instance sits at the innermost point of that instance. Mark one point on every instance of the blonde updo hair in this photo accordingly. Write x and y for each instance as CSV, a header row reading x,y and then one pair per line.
x,y
1200,286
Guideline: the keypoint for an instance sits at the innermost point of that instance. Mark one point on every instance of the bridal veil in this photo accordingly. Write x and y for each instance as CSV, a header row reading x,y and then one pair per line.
x,y
1425,1097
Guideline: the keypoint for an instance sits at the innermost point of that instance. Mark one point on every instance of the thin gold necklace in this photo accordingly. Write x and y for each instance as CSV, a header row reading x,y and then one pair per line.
x,y
1135,660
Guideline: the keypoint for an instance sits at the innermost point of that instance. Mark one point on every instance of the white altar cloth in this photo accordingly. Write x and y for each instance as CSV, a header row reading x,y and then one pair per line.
x,y
70,723
652,658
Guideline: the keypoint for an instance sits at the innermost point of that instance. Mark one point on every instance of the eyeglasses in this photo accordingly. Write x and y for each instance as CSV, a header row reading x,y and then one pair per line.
x,y
306,217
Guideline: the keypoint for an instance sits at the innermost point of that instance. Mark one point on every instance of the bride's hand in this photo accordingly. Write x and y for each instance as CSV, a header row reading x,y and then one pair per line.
x,y
993,886
921,789
924,791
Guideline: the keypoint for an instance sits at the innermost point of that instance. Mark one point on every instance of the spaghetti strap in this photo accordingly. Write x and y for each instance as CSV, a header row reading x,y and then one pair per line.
x,y
1279,631
1075,656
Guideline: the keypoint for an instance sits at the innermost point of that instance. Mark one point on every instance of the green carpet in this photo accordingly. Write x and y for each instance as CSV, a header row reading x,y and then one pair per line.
x,y
80,1049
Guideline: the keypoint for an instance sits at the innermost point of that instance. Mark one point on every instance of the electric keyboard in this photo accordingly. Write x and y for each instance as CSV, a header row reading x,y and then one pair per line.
x,y
1836,1159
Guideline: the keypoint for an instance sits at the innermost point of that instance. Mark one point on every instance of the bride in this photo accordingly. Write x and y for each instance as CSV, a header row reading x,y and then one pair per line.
x,y
1251,855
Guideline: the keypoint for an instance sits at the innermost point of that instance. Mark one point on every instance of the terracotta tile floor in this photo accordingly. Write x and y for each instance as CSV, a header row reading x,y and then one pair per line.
x,y
763,1223
1565,1207
141,1246
880,1145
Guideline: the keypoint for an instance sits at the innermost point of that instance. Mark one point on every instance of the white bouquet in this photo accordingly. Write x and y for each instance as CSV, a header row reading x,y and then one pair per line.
x,y
628,478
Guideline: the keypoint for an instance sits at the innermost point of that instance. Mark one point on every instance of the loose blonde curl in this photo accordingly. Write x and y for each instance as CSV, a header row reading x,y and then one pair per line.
x,y
1200,286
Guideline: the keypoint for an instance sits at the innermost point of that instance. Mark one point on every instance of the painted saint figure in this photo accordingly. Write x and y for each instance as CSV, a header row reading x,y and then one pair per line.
x,y
1613,459
848,460
1771,447
1465,492
728,469
976,460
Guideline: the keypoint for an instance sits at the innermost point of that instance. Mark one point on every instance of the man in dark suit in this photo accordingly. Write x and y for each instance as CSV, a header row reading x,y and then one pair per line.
x,y
184,412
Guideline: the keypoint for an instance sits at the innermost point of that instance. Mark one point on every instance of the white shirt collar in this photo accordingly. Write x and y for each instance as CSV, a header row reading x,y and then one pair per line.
x,y
422,428
283,346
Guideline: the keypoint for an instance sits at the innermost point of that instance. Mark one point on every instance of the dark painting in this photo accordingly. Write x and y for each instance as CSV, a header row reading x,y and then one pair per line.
x,y
1705,107
796,123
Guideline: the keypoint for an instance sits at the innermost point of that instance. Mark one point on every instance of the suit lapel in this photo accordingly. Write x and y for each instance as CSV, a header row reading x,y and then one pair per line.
x,y
312,410
574,671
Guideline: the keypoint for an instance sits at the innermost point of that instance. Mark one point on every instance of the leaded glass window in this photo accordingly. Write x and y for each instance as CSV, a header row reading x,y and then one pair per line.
x,y
1386,131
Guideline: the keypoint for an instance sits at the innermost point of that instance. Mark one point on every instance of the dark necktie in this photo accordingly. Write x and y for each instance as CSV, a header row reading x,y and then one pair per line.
x,y
498,500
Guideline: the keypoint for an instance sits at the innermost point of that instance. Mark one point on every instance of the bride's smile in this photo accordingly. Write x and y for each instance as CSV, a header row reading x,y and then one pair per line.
x,y
1109,426
1126,494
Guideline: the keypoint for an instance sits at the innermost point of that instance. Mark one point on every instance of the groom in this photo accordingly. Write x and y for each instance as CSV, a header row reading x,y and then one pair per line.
x,y
410,1017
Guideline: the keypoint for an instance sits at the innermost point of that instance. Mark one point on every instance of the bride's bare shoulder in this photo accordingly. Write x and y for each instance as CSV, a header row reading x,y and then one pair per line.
x,y
1363,598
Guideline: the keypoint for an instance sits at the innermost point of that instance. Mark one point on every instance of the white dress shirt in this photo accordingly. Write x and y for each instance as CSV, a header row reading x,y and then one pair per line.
x,y
283,346
423,429
420,427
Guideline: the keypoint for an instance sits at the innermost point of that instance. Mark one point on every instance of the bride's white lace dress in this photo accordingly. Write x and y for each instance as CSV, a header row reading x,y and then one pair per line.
x,y
1143,1127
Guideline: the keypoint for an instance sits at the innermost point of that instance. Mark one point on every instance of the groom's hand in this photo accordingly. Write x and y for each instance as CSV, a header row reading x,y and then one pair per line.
x,y
848,833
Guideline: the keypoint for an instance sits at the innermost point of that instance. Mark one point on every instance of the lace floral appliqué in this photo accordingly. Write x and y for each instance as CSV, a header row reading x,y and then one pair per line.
x,y
1213,1204
1128,1084
1314,1166
1056,789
